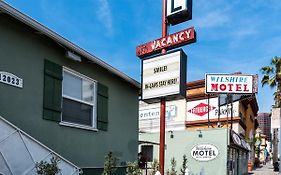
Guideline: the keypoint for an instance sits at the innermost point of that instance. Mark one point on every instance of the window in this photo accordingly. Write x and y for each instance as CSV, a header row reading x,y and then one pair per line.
x,y
79,99
74,99
147,151
242,117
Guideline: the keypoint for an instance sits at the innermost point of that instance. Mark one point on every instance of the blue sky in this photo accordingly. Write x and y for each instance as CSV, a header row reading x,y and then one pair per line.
x,y
231,35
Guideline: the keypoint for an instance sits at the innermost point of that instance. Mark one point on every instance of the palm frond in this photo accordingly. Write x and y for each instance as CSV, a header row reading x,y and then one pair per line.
x,y
267,70
265,80
277,97
272,82
276,62
278,75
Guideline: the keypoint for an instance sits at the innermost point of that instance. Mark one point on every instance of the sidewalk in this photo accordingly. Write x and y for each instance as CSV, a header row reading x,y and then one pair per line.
x,y
264,170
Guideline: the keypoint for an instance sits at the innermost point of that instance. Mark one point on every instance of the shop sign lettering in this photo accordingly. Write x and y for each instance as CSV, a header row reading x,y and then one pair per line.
x,y
163,76
169,42
198,110
227,83
201,109
10,79
204,152
154,113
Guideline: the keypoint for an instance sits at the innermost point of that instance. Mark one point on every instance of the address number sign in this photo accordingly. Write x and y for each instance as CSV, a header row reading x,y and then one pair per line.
x,y
10,79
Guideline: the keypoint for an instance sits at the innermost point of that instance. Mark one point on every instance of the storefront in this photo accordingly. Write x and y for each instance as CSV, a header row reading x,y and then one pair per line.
x,y
204,150
237,159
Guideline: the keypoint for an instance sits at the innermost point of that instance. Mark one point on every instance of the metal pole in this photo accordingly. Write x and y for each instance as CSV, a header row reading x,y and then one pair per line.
x,y
279,140
231,114
208,110
219,112
163,101
162,136
227,101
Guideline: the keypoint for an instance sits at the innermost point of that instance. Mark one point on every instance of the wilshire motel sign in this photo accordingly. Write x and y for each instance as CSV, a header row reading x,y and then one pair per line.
x,y
231,84
164,75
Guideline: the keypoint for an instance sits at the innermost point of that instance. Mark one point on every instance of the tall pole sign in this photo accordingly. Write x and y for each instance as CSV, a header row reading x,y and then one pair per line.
x,y
164,76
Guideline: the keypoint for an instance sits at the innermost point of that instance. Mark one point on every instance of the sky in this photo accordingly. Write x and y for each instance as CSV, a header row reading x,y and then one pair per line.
x,y
232,36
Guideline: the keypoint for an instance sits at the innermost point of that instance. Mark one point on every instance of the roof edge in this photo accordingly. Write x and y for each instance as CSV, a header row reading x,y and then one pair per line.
x,y
57,38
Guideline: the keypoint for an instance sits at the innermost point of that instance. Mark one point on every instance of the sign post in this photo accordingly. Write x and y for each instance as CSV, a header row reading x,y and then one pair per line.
x,y
163,101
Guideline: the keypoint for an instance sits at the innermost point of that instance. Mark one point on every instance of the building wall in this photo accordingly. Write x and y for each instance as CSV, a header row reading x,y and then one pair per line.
x,y
182,143
249,119
22,53
200,90
264,120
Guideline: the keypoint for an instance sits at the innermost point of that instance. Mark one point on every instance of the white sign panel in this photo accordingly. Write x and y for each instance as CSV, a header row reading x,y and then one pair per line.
x,y
204,152
178,11
164,75
198,110
275,118
176,6
10,79
227,83
154,113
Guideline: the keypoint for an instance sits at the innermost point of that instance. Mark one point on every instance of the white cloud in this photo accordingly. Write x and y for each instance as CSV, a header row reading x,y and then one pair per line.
x,y
105,16
212,19
239,35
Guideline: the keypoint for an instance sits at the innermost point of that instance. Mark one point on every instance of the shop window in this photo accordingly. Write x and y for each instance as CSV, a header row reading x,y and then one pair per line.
x,y
79,99
147,151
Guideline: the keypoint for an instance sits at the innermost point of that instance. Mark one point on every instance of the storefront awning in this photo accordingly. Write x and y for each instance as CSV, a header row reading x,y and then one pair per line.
x,y
148,142
237,141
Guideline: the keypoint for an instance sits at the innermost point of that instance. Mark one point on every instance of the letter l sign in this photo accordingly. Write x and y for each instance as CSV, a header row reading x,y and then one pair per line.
x,y
173,9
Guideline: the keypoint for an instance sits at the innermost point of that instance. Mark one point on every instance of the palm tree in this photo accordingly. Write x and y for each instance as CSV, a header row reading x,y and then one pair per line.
x,y
272,78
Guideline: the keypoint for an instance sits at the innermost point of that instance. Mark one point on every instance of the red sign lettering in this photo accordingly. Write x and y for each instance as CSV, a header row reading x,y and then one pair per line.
x,y
216,87
174,40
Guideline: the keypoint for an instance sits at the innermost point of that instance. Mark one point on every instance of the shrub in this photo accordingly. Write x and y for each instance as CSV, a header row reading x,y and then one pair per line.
x,y
109,164
48,168
184,167
133,168
173,168
154,166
